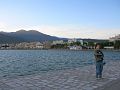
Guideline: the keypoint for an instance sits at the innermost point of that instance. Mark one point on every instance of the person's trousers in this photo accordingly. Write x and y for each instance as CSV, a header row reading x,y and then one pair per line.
x,y
99,69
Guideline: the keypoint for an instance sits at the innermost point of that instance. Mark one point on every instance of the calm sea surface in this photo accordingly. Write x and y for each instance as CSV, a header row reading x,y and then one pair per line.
x,y
25,62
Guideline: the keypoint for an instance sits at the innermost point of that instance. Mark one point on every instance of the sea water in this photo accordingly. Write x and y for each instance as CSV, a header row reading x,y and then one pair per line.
x,y
26,62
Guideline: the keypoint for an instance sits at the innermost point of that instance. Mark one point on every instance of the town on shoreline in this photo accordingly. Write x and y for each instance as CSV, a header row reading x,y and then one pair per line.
x,y
71,44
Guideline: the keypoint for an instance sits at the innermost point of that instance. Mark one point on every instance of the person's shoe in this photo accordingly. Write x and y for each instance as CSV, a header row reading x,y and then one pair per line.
x,y
98,78
101,78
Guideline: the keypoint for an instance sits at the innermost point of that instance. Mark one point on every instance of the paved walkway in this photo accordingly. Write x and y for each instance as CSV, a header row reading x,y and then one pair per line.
x,y
82,78
113,85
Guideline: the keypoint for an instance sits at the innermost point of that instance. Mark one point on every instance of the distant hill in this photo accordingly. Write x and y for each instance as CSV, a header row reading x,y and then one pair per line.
x,y
95,40
28,36
8,39
31,36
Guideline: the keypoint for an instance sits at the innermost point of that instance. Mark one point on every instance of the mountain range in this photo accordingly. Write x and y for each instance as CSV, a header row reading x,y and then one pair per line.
x,y
31,36
26,36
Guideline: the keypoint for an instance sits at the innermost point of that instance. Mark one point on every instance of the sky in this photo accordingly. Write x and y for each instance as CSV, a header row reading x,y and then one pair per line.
x,y
97,19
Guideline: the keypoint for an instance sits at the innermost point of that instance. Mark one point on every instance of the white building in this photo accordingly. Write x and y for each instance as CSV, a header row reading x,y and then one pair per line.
x,y
58,42
115,38
109,47
75,40
39,45
75,47
72,40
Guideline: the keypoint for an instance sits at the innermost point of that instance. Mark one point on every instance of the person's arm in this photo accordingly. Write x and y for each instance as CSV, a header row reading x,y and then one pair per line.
x,y
101,53
96,54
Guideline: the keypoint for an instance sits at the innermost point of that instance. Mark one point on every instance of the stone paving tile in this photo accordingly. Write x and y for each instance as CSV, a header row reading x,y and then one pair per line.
x,y
82,78
4,86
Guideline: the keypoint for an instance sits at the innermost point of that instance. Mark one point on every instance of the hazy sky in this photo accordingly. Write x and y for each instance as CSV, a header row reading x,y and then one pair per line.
x,y
63,18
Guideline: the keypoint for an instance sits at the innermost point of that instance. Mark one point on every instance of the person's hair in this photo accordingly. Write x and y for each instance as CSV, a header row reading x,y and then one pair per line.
x,y
97,45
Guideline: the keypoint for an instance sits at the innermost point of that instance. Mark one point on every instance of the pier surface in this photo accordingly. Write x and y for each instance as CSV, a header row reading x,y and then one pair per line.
x,y
82,78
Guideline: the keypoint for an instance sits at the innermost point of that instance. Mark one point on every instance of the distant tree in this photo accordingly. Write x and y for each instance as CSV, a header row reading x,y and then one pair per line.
x,y
85,43
75,43
71,44
106,43
78,43
59,46
90,43
117,44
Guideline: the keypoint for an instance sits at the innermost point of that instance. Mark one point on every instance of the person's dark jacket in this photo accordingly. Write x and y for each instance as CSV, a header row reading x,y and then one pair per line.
x,y
98,55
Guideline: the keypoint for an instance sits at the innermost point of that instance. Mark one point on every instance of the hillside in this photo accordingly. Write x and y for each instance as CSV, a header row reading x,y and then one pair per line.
x,y
8,39
28,36
33,35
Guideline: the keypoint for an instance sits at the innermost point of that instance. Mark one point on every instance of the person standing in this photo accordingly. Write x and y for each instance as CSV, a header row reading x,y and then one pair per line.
x,y
99,61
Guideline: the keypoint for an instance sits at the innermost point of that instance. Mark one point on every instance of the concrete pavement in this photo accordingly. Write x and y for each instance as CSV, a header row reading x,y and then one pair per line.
x,y
113,85
82,78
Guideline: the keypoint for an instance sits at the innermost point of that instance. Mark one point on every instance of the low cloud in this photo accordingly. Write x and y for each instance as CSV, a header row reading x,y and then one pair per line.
x,y
2,25
73,31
